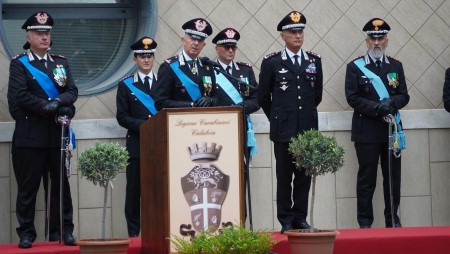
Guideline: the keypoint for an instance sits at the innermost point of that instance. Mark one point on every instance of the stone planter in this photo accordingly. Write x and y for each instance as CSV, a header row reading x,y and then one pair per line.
x,y
305,242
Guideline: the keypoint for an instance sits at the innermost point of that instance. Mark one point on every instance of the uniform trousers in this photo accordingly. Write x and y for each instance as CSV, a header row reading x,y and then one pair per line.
x,y
133,197
368,155
292,194
30,166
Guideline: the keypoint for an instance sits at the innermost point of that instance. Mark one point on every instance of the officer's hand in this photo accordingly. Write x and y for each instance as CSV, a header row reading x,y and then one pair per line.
x,y
203,102
385,107
51,107
66,111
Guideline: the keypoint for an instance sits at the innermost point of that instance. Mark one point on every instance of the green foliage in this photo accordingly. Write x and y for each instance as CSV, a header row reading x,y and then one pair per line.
x,y
317,153
228,241
101,164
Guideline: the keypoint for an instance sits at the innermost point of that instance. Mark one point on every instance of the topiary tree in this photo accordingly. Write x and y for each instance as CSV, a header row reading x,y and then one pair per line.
x,y
100,165
318,155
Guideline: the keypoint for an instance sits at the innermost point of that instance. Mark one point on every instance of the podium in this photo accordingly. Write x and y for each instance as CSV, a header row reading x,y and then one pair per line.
x,y
191,174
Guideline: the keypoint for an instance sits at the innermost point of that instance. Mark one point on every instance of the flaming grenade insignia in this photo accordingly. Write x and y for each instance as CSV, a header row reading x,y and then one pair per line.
x,y
205,187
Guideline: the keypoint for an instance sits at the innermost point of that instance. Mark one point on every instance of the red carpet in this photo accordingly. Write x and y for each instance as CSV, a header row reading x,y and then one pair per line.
x,y
407,240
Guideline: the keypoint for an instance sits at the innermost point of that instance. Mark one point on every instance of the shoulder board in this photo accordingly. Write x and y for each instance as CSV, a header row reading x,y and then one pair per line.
x,y
127,76
19,56
390,57
356,58
170,60
272,55
244,64
58,56
313,54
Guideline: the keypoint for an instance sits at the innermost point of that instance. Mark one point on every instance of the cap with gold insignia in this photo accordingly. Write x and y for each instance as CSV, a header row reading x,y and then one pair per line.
x,y
40,21
144,46
294,20
228,36
376,28
198,28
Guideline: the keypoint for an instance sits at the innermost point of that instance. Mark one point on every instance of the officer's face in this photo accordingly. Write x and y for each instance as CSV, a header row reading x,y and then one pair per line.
x,y
226,53
144,63
293,39
39,41
192,46
377,46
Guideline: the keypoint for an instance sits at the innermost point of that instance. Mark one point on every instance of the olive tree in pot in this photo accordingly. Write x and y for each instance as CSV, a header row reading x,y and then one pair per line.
x,y
100,165
317,154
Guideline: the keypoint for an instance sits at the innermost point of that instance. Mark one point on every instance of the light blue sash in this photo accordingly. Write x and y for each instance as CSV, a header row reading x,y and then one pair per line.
x,y
383,93
144,98
234,95
191,86
42,78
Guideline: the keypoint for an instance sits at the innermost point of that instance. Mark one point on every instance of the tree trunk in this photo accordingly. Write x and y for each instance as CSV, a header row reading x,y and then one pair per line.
x,y
104,211
313,195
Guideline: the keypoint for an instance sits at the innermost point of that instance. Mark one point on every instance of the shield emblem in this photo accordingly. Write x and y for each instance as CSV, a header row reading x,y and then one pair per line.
x,y
205,189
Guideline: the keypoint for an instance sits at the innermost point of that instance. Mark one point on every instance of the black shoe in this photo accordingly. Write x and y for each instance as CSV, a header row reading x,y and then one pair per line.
x,y
364,226
69,239
397,225
54,237
286,227
133,235
302,225
25,242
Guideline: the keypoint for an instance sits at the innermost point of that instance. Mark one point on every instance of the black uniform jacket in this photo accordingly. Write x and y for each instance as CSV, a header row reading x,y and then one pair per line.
x,y
446,94
131,113
240,70
367,126
26,100
290,97
170,91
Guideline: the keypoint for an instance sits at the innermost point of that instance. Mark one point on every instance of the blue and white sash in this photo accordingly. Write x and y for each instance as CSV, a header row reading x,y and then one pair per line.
x,y
234,95
144,98
191,86
383,93
42,78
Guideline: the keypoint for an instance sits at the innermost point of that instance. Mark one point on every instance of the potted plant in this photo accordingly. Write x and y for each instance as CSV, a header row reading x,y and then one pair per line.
x,y
317,154
100,165
228,240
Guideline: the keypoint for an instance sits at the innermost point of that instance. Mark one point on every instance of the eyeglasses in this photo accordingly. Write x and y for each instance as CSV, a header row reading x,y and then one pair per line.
x,y
228,47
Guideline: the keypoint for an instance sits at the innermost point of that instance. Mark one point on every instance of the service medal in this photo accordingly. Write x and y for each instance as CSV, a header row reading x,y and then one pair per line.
x,y
393,79
207,84
311,68
60,75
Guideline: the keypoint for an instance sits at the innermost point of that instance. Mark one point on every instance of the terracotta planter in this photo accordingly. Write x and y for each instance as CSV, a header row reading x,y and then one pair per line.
x,y
104,246
305,242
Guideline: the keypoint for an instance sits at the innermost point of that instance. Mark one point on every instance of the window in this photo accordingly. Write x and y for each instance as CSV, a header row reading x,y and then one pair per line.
x,y
94,35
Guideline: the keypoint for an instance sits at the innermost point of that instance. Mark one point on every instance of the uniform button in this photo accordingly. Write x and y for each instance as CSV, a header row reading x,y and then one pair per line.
x,y
298,77
149,116
298,87
299,97
300,107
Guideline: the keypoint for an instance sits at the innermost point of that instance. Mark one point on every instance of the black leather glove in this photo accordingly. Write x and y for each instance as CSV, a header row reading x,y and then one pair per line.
x,y
66,111
385,107
203,102
51,107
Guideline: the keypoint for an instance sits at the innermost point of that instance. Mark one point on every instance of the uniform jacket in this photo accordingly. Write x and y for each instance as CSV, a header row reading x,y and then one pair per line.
x,y
131,113
26,100
240,70
290,97
446,96
171,93
367,126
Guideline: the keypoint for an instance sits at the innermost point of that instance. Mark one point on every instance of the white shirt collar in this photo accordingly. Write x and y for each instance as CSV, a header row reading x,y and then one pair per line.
x,y
142,76
224,66
292,54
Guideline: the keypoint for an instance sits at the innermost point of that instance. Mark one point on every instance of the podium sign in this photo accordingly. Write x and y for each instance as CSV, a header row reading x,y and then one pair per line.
x,y
204,179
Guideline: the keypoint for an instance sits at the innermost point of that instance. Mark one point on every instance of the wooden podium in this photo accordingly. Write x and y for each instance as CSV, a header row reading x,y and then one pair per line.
x,y
191,173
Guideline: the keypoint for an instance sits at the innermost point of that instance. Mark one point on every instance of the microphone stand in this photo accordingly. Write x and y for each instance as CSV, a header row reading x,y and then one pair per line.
x,y
246,150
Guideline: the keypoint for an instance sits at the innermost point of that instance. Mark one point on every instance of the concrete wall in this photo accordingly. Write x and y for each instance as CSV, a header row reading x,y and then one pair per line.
x,y
420,38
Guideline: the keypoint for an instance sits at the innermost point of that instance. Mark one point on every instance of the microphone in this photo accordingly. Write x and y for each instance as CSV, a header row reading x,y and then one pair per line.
x,y
205,60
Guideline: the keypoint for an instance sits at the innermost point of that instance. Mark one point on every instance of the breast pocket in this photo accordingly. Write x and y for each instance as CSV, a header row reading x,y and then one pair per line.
x,y
365,85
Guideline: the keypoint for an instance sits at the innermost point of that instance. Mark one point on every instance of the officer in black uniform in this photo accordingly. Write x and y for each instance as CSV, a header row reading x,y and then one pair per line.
x,y
446,96
185,80
40,89
135,105
370,131
290,89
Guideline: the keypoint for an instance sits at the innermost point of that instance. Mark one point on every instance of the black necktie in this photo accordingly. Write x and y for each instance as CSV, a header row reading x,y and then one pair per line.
x,y
44,62
228,70
191,64
378,63
296,63
146,81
